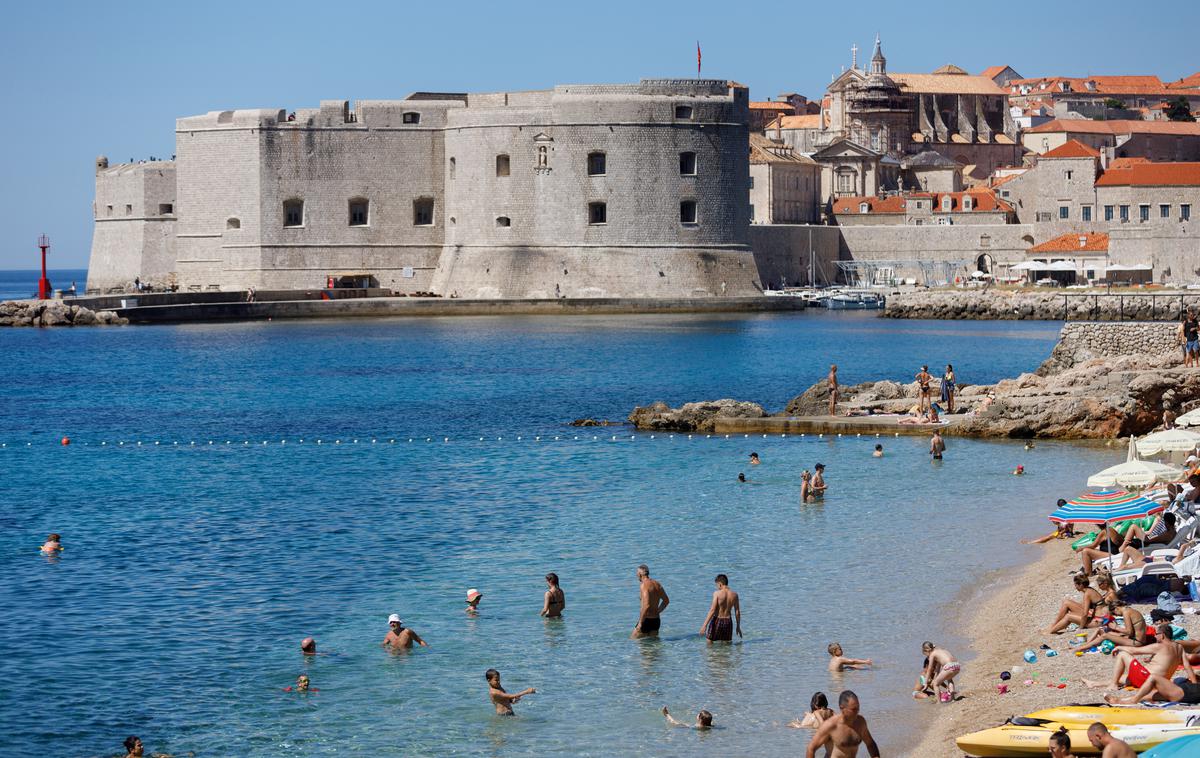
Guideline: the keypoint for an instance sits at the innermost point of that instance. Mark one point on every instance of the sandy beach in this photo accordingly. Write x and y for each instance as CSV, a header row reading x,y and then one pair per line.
x,y
1003,617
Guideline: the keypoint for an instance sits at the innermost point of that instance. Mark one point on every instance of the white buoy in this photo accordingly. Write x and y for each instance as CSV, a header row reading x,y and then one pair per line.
x,y
651,436
518,439
858,435
119,443
139,444
556,439
689,436
822,434
445,439
897,434
839,434
537,439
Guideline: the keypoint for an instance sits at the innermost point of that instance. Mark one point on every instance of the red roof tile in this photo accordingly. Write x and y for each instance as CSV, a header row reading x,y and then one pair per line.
x,y
1101,85
1072,149
1188,82
1116,126
771,105
983,200
1151,175
992,72
1096,242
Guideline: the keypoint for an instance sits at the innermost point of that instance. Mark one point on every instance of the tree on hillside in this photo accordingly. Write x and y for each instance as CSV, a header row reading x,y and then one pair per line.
x,y
1114,103
1179,110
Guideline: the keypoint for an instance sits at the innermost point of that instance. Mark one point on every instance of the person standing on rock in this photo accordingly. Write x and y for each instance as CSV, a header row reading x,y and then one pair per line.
x,y
949,387
924,379
1189,337
833,390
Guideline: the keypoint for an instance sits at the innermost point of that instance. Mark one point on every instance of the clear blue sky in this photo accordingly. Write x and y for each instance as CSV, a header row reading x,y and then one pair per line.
x,y
88,78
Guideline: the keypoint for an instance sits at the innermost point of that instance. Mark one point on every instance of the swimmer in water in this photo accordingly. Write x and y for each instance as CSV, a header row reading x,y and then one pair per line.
x,y
703,720
754,461
53,543
501,699
1019,471
308,646
742,477
555,600
654,602
135,749
839,662
878,451
818,713
847,729
399,637
473,598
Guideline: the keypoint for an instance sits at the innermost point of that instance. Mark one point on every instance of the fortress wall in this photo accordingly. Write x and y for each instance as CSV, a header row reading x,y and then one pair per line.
x,y
1004,242
781,254
133,234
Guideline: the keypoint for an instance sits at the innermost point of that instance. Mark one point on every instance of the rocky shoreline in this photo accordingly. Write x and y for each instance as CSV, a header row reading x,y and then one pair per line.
x,y
1073,395
54,313
1044,305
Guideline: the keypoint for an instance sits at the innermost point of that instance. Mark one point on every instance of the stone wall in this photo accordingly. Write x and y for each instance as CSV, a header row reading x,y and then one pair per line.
x,y
1087,340
1039,304
134,233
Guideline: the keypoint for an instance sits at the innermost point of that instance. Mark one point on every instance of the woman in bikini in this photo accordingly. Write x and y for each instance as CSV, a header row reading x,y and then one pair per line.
x,y
806,493
1082,613
555,600
949,386
818,713
1134,633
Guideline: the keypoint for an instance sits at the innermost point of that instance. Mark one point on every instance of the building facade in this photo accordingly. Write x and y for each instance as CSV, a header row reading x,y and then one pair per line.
x,y
591,190
785,186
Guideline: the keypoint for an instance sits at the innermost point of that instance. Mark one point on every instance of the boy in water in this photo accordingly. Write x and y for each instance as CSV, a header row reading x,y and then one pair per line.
x,y
839,662
53,543
501,699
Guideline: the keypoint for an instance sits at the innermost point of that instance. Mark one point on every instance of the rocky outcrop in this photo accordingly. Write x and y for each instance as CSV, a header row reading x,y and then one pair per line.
x,y
692,417
1048,305
595,422
54,313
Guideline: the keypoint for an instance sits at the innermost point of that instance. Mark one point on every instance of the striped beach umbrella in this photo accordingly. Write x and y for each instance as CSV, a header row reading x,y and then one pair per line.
x,y
1105,508
1180,747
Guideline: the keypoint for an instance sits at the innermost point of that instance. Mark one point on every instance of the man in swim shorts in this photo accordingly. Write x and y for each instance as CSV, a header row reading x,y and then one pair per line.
x,y
718,625
399,637
1167,656
847,730
654,602
937,445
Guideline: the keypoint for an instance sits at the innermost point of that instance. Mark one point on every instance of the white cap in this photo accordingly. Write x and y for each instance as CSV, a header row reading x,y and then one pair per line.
x,y
1192,458
395,617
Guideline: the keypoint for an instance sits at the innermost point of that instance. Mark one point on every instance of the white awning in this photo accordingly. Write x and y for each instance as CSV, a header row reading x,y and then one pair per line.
x,y
1061,266
1029,266
1129,267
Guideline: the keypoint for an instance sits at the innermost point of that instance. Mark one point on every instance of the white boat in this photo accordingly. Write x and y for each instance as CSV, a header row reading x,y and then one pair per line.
x,y
854,300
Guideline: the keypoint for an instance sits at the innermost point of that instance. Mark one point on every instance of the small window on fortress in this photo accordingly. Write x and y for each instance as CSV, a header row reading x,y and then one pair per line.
x,y
233,223
687,164
687,212
453,167
683,111
597,213
108,210
359,212
423,211
293,213
128,209
411,118
165,209
502,165
504,221
596,164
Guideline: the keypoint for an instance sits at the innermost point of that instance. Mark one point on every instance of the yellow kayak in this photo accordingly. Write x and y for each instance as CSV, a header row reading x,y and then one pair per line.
x,y
1013,740
1116,715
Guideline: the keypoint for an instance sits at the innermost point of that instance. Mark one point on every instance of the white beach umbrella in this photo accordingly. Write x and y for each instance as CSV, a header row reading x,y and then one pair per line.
x,y
1168,441
1191,418
1028,266
1134,472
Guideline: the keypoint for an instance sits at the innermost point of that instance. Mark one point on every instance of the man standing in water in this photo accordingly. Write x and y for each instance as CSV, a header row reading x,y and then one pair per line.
x,y
847,730
817,488
718,625
937,445
833,390
654,602
399,637
924,379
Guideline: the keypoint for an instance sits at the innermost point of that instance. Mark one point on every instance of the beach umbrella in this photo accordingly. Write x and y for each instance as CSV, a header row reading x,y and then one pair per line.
x,y
1180,747
1191,418
1168,441
1105,507
1134,472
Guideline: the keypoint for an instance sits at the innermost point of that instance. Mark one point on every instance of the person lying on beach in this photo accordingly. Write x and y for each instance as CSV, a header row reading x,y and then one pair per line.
x,y
1134,634
501,699
847,729
818,713
839,662
1082,613
53,543
1110,746
1164,688
703,720
1166,655
399,637
555,600
940,670
1132,557
1061,531
1060,744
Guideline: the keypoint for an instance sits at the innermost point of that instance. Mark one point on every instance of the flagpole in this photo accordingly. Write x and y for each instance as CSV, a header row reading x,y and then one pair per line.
x,y
697,59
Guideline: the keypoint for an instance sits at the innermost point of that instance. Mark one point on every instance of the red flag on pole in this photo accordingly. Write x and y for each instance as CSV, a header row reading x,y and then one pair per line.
x,y
697,59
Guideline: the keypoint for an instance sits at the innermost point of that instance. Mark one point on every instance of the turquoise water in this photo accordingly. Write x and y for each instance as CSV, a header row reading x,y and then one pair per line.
x,y
192,572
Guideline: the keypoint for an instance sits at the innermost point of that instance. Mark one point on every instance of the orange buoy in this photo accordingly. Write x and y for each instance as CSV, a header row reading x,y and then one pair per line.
x,y
66,441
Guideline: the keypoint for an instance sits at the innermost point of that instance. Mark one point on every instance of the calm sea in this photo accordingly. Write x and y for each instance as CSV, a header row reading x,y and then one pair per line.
x,y
193,571
16,285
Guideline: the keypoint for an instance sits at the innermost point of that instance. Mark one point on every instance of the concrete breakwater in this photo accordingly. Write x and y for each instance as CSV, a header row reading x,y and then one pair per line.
x,y
54,313
1103,381
1046,305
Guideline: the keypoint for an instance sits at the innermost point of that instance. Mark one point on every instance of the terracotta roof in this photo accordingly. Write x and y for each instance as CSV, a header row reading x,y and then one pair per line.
x,y
991,72
1152,175
947,84
1005,179
766,150
1126,162
771,105
1101,85
1095,242
1072,149
950,69
1187,82
983,200
807,121
1117,126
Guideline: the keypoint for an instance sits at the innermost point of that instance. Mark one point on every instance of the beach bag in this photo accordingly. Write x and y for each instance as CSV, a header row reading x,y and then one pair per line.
x,y
1138,674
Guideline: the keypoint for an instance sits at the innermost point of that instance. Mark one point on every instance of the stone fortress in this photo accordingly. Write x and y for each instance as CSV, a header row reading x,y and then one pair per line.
x,y
636,190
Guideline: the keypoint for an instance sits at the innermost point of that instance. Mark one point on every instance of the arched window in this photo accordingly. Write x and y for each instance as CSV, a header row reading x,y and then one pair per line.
x,y
502,165
596,164
359,211
233,223
453,167
864,208
293,212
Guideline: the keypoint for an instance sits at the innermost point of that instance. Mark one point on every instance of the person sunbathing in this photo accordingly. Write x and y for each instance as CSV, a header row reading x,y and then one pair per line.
x,y
1161,532
1082,613
1134,629
1132,557
1061,531
1166,655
